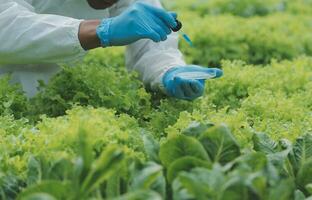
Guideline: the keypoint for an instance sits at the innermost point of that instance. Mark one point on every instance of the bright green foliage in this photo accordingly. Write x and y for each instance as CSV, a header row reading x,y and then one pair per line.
x,y
12,99
55,141
254,40
274,99
252,175
133,145
242,8
94,85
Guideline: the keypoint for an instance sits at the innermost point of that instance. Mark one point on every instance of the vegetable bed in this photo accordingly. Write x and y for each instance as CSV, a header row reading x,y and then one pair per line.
x,y
248,137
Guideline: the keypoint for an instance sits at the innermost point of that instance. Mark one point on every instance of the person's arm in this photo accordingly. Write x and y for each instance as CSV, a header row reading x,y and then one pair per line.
x,y
28,38
151,60
161,65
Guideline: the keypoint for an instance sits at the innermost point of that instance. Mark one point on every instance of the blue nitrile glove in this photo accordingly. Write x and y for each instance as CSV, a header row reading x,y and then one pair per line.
x,y
140,21
188,82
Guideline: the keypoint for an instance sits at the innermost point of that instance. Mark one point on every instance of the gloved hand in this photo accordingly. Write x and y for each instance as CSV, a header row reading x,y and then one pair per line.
x,y
140,21
188,82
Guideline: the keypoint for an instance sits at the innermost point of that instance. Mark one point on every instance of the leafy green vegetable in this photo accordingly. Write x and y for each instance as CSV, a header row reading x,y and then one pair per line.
x,y
179,147
220,144
185,163
94,132
47,190
263,143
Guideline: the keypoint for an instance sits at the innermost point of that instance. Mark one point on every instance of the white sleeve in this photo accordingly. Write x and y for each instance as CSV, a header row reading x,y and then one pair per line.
x,y
151,60
30,38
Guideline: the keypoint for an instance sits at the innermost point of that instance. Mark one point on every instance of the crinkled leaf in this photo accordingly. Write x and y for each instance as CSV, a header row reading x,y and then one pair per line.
x,y
220,144
263,143
302,151
181,146
185,164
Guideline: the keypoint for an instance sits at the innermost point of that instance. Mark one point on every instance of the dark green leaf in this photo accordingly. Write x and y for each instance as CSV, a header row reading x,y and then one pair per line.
x,y
104,167
143,179
39,196
263,143
185,164
283,190
255,161
195,129
199,183
34,173
302,151
304,176
85,152
299,195
220,144
309,188
140,195
57,189
181,146
151,146
60,169
113,186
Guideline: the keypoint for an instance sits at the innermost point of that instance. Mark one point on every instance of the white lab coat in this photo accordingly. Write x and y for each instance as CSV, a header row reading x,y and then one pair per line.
x,y
36,35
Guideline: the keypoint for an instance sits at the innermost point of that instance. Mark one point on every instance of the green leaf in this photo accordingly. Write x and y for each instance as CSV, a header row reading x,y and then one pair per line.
x,y
57,189
304,176
34,173
143,179
113,186
254,161
181,146
309,188
60,169
199,183
235,189
302,151
220,144
85,153
39,196
103,168
185,164
263,143
283,190
151,146
299,195
195,129
140,195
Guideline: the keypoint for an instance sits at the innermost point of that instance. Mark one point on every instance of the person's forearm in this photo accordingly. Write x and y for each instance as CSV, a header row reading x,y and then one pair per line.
x,y
87,34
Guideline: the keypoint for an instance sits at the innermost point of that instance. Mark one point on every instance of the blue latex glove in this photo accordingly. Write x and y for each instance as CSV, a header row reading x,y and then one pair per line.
x,y
188,82
140,21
